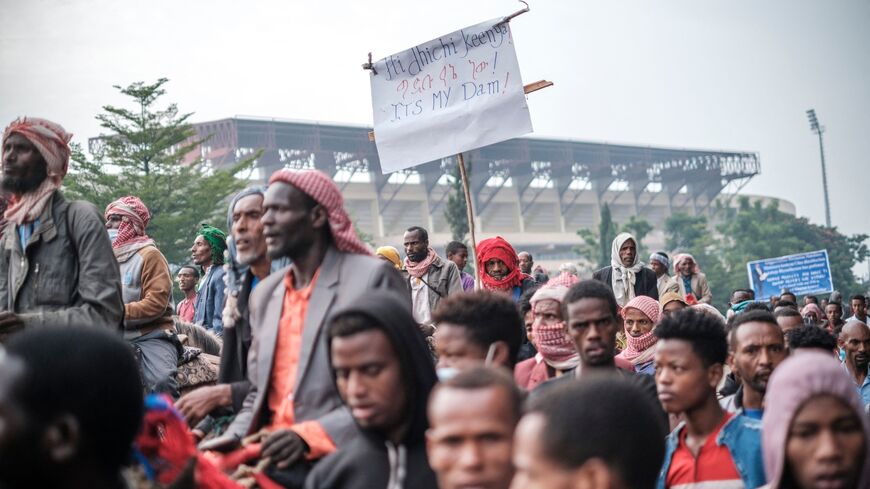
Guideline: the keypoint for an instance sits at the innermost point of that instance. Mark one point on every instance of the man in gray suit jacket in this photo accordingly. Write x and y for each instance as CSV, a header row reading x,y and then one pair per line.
x,y
292,393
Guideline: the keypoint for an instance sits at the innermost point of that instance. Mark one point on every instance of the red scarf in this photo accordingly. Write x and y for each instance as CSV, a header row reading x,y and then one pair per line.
x,y
499,249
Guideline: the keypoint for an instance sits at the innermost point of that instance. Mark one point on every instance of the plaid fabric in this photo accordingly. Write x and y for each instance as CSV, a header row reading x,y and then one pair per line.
x,y
134,219
52,142
321,188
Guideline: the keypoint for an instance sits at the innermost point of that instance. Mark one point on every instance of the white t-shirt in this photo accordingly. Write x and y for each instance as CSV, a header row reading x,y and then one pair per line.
x,y
420,301
866,320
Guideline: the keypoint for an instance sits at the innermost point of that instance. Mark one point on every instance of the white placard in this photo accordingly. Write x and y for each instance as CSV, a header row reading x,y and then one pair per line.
x,y
456,93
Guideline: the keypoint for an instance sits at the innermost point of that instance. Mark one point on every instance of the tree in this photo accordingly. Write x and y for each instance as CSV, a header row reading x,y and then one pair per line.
x,y
692,234
597,244
753,232
143,155
456,211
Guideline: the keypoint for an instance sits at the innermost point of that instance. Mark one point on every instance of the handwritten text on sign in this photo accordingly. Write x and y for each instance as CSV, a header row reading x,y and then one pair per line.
x,y
456,93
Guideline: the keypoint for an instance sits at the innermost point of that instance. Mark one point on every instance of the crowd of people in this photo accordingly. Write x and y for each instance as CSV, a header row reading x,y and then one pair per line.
x,y
300,358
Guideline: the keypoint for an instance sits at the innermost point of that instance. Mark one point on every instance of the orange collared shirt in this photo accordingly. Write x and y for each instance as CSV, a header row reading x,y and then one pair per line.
x,y
285,366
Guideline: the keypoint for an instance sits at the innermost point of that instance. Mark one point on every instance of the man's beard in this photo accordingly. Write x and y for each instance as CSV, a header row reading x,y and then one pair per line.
x,y
20,186
418,257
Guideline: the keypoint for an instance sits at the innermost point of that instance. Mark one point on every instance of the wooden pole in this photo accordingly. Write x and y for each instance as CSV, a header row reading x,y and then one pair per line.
x,y
470,210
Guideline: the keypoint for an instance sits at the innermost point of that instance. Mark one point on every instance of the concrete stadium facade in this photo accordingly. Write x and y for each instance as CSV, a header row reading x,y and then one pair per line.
x,y
535,192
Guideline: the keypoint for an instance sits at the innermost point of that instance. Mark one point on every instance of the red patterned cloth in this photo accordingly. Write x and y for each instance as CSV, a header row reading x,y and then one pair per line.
x,y
565,279
637,350
500,249
52,142
420,269
679,259
321,188
131,233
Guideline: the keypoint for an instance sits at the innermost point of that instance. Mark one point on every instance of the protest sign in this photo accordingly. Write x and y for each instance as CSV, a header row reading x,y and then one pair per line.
x,y
802,274
456,93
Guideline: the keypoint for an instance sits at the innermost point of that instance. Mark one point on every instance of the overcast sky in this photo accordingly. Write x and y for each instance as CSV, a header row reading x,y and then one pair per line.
x,y
719,74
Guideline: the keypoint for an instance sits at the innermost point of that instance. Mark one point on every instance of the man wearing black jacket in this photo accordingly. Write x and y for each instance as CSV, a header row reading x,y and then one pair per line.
x,y
626,276
384,374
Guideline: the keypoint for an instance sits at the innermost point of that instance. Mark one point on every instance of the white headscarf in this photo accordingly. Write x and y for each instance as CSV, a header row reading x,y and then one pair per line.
x,y
623,278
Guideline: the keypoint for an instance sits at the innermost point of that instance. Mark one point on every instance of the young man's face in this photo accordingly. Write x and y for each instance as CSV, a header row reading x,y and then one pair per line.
x,y
834,313
593,328
683,382
455,348
534,469
759,349
470,439
658,268
826,444
460,258
186,279
369,379
859,308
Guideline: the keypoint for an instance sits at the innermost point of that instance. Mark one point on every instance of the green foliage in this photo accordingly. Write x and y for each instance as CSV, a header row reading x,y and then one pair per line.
x,y
753,232
456,211
691,234
143,155
596,243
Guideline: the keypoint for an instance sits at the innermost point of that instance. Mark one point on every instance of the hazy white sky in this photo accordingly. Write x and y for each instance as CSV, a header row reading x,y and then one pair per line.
x,y
718,74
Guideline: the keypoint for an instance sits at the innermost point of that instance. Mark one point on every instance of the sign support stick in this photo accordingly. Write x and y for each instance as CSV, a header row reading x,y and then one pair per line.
x,y
470,212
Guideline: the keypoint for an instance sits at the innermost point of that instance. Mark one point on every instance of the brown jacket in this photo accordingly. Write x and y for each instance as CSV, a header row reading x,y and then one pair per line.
x,y
147,287
700,288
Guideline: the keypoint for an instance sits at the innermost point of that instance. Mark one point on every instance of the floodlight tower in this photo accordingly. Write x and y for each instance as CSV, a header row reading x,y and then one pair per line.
x,y
819,130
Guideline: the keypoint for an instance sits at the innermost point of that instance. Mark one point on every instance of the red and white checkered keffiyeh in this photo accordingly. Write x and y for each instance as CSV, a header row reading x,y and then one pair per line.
x,y
323,190
639,350
131,233
52,142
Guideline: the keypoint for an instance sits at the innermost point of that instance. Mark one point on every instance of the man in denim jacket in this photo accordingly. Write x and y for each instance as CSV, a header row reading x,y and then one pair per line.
x,y
711,445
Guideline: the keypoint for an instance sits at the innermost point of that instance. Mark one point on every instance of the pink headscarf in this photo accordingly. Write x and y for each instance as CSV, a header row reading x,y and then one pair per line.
x,y
52,142
811,307
680,258
638,349
564,279
321,188
551,340
131,233
798,379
